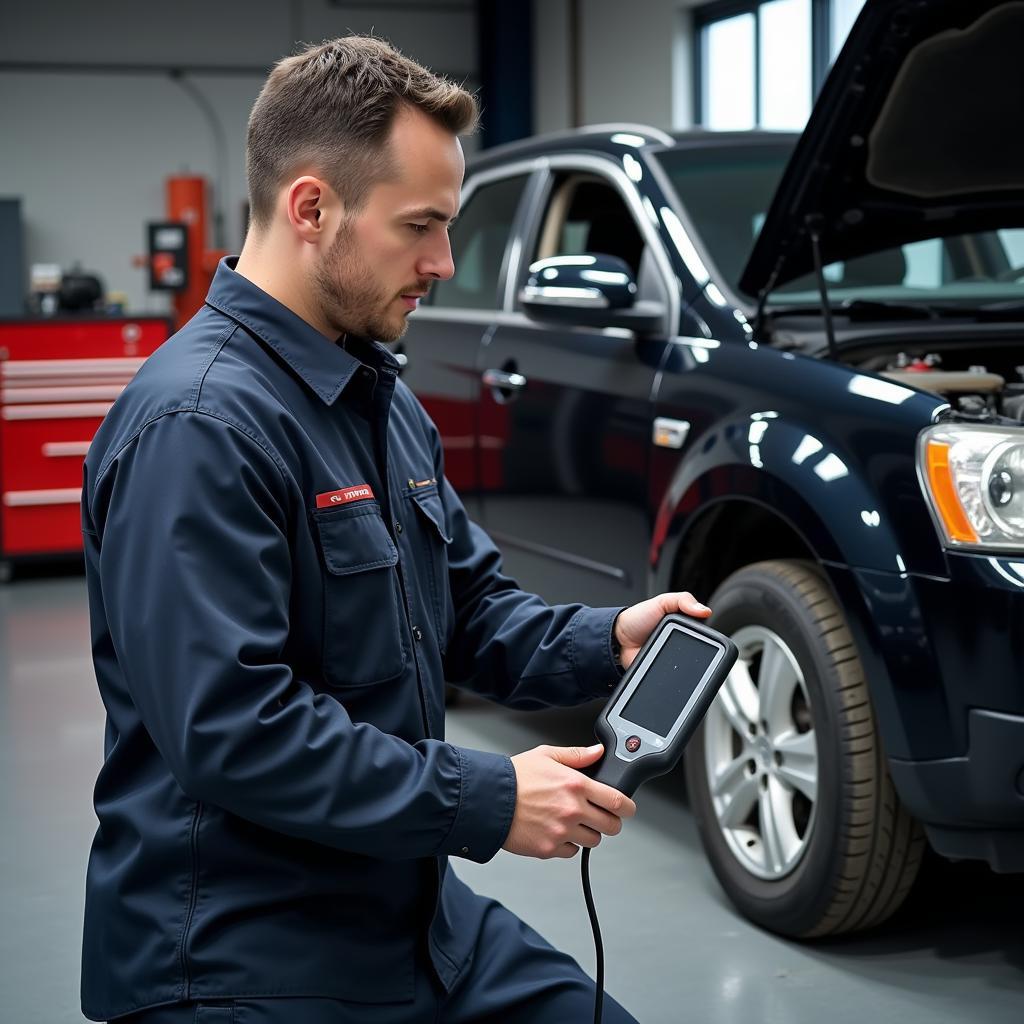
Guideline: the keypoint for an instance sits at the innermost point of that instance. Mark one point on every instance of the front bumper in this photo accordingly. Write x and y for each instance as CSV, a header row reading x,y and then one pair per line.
x,y
972,806
946,662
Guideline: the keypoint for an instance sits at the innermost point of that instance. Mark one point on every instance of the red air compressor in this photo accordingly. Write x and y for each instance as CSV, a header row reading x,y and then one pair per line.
x,y
178,258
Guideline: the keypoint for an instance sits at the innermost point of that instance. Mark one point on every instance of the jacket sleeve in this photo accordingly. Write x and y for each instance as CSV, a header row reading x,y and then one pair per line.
x,y
194,567
511,645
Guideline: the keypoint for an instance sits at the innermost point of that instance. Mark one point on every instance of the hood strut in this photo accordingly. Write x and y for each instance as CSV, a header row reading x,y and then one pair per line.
x,y
762,300
814,230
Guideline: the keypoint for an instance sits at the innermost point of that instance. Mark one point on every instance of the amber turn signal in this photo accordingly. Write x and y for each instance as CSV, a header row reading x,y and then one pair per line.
x,y
947,503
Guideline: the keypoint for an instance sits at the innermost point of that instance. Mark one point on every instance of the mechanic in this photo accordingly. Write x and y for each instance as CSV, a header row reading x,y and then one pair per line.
x,y
280,582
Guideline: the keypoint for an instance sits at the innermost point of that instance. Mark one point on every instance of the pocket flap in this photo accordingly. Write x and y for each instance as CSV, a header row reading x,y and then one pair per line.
x,y
430,504
355,540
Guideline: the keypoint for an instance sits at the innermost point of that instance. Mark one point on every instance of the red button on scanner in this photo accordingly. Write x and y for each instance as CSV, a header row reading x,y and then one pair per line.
x,y
633,744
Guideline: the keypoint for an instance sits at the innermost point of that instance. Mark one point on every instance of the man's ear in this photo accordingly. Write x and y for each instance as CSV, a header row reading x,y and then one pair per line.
x,y
311,209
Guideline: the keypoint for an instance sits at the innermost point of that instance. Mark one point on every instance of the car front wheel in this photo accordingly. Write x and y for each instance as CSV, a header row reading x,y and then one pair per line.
x,y
787,777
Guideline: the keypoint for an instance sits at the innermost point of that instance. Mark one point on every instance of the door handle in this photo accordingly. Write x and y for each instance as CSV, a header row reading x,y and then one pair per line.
x,y
504,380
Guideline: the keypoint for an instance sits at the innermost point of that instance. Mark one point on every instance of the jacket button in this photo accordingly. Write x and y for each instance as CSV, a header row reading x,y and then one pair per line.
x,y
417,632
465,849
398,527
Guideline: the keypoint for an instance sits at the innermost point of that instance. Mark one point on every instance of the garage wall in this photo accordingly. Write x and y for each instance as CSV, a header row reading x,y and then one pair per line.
x,y
88,152
635,63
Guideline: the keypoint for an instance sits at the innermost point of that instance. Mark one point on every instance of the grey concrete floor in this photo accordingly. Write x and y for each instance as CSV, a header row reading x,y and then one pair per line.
x,y
676,950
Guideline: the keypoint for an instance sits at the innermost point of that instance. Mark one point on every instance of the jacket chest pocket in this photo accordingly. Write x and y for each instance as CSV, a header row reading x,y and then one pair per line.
x,y
362,598
429,515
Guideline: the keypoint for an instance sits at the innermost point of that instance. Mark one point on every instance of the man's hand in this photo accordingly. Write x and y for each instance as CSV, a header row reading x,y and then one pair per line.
x,y
634,625
558,809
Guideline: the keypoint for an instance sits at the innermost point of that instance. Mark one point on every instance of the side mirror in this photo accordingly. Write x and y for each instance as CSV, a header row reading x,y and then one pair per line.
x,y
589,290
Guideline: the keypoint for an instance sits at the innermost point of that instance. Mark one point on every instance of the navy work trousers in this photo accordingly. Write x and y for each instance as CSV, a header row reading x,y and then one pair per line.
x,y
515,977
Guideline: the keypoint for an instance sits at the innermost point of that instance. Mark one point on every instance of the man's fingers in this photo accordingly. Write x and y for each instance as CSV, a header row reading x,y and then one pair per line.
x,y
634,624
576,757
603,822
580,837
685,602
558,808
583,836
610,799
689,604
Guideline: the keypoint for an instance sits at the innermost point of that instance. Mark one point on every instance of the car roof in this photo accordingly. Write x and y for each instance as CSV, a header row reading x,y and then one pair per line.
x,y
614,139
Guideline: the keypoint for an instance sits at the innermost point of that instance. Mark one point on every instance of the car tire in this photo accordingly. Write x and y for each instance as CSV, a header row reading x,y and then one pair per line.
x,y
844,860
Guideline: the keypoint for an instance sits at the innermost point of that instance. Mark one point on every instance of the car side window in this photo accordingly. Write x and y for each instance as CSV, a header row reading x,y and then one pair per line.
x,y
585,213
479,239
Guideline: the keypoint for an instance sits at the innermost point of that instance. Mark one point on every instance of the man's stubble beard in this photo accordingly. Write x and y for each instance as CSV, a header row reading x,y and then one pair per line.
x,y
350,301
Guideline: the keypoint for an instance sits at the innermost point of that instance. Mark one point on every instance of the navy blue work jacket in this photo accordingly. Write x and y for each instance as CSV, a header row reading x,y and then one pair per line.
x,y
280,582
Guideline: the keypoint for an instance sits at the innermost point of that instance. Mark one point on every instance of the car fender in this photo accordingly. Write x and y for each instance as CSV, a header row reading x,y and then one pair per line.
x,y
843,480
786,466
830,448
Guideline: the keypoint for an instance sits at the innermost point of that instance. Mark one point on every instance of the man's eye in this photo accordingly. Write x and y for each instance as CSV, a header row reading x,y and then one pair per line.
x,y
420,229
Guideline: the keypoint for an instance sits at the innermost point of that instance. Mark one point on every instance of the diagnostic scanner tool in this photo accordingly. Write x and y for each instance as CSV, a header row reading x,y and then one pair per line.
x,y
660,701
650,718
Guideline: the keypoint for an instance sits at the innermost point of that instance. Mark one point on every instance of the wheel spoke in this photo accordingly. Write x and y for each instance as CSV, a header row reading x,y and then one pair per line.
x,y
738,699
799,746
777,832
726,782
799,768
738,799
775,682
806,782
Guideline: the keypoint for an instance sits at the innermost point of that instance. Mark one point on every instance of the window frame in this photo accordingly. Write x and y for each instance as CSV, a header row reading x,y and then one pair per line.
x,y
557,180
722,10
610,172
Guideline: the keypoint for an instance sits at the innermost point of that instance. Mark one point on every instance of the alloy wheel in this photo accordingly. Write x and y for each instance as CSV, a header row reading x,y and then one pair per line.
x,y
761,756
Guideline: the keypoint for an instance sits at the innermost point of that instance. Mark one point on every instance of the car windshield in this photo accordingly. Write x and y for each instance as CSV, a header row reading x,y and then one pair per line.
x,y
726,191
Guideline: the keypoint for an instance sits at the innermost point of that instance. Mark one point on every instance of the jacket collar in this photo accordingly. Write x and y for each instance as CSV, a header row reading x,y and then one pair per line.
x,y
325,367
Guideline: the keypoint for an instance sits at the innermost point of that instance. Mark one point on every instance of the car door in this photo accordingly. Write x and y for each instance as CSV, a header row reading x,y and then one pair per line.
x,y
440,351
566,412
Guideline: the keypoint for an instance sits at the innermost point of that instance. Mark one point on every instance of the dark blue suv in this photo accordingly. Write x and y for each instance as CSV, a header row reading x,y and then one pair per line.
x,y
786,374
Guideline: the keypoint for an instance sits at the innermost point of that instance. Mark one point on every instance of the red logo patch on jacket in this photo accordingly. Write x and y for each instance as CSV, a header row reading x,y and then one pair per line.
x,y
358,492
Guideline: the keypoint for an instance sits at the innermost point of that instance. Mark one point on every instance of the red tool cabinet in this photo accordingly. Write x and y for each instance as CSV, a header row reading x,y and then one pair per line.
x,y
58,379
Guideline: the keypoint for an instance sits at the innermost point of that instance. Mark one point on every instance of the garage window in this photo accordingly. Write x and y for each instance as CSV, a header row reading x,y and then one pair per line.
x,y
759,63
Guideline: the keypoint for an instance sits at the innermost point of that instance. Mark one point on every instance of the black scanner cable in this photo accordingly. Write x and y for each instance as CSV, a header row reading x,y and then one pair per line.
x,y
596,928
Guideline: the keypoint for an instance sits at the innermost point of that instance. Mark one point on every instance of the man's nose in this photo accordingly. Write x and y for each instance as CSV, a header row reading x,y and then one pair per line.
x,y
438,263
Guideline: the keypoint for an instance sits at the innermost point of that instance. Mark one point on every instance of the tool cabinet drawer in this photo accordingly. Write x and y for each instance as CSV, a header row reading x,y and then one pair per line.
x,y
41,522
73,338
43,447
58,379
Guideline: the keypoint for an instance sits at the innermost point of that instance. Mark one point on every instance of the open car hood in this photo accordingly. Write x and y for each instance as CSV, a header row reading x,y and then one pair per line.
x,y
917,134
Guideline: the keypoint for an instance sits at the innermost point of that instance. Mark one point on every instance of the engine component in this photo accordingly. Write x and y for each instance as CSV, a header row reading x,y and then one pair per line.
x,y
949,382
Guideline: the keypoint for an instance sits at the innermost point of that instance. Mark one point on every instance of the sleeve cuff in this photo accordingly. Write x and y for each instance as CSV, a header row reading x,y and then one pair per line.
x,y
487,801
593,660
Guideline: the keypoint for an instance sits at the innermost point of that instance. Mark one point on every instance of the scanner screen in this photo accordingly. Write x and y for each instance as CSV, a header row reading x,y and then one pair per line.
x,y
669,682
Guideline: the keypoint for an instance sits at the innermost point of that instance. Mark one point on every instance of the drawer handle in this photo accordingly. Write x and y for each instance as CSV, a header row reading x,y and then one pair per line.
x,y
70,367
56,496
10,395
59,449
64,411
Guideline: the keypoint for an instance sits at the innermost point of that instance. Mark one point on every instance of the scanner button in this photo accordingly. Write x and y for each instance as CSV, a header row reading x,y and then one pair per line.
x,y
633,744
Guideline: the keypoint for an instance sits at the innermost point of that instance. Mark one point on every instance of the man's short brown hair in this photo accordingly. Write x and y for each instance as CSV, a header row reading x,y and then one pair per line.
x,y
331,107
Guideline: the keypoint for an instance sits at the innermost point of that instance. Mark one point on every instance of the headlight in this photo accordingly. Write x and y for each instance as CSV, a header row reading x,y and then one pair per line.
x,y
973,478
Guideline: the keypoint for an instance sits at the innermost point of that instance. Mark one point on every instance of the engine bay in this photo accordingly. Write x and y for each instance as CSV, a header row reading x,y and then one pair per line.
x,y
976,379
